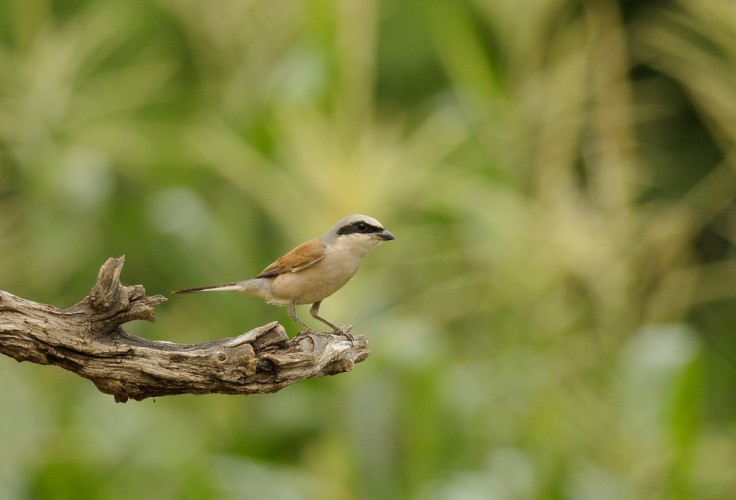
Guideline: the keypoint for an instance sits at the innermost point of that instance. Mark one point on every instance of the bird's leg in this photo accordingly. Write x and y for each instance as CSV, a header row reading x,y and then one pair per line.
x,y
292,314
314,311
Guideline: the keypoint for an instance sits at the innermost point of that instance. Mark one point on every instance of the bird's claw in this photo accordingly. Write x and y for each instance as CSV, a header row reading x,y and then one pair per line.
x,y
307,331
344,331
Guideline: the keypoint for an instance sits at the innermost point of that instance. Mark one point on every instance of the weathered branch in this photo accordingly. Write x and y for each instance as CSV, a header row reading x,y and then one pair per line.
x,y
88,339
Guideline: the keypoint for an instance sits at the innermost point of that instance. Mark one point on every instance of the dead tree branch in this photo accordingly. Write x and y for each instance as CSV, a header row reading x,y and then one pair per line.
x,y
88,339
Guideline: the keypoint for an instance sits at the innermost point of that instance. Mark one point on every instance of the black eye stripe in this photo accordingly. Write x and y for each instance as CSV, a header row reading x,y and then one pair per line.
x,y
359,227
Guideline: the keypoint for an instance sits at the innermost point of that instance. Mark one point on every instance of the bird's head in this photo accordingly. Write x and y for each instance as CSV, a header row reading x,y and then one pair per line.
x,y
360,232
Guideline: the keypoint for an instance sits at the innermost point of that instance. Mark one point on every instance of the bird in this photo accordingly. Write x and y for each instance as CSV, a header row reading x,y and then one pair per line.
x,y
314,270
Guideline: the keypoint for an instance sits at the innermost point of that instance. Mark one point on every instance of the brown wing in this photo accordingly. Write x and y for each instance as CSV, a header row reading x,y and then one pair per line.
x,y
299,258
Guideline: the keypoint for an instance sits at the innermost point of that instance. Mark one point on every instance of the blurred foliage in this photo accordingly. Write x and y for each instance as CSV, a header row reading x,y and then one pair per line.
x,y
553,321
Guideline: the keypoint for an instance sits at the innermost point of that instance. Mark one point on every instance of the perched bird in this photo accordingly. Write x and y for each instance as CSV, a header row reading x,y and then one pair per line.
x,y
314,270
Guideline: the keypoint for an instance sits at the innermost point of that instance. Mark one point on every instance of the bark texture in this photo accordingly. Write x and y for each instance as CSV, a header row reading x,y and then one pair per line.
x,y
88,339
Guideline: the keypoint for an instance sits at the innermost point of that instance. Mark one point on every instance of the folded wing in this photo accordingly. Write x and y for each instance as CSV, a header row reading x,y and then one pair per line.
x,y
305,255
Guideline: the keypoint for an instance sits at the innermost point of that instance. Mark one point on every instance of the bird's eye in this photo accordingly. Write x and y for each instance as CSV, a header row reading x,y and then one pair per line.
x,y
362,227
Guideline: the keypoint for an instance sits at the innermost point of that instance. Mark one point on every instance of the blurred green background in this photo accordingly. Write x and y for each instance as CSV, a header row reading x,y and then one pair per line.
x,y
554,321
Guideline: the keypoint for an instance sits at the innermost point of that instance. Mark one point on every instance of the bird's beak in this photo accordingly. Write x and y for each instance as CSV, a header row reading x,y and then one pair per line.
x,y
385,235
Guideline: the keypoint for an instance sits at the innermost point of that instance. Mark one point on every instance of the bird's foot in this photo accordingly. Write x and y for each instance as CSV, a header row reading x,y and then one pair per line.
x,y
307,331
344,331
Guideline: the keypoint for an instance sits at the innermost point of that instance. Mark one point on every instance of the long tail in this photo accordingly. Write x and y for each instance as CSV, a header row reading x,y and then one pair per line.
x,y
235,286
